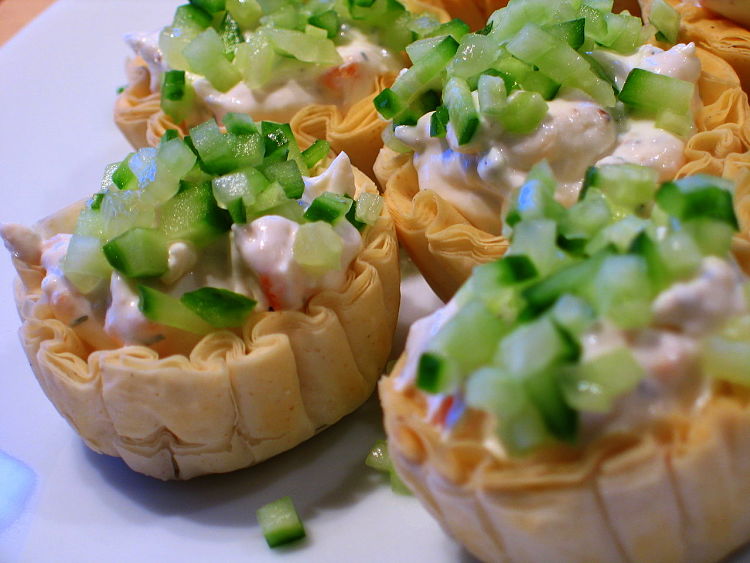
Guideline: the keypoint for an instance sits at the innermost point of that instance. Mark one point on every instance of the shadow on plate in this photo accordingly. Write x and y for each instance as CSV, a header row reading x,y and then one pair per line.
x,y
326,472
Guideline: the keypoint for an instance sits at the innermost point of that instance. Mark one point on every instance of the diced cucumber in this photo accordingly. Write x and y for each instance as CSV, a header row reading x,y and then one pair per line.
x,y
205,56
192,215
177,95
210,6
681,255
288,175
469,340
280,135
328,21
628,187
221,308
174,160
439,122
138,253
699,197
573,314
235,191
518,75
623,33
304,47
256,60
586,217
560,62
619,234
535,199
475,54
328,207
622,291
368,208
231,35
666,20
523,112
535,347
712,237
571,31
189,21
456,28
164,309
123,176
239,124
316,152
416,80
520,424
492,95
594,385
280,522
85,264
461,110
652,93
246,12
536,238
574,279
436,373
317,248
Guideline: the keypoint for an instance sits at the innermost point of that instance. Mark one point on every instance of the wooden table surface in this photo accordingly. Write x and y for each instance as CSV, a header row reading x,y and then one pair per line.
x,y
14,14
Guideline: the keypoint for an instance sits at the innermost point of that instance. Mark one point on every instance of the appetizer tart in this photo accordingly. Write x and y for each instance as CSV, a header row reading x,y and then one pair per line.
x,y
563,81
221,299
314,64
586,397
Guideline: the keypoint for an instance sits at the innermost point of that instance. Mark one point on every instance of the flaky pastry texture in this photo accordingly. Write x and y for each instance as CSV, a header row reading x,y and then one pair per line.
x,y
238,397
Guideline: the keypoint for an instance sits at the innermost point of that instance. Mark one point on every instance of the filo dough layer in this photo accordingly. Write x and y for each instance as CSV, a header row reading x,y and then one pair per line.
x,y
445,245
238,397
674,491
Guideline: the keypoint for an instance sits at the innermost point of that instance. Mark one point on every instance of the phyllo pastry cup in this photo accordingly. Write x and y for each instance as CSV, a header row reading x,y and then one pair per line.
x,y
447,237
333,103
533,438
176,398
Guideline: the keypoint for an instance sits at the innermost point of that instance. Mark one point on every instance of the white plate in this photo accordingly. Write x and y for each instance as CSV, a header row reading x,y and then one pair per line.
x,y
59,501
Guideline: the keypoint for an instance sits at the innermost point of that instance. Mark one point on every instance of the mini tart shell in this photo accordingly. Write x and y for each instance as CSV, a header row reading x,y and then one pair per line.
x,y
357,131
674,491
238,397
445,246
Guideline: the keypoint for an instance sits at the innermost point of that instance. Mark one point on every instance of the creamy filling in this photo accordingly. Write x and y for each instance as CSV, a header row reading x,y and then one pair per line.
x,y
669,351
255,260
576,133
342,85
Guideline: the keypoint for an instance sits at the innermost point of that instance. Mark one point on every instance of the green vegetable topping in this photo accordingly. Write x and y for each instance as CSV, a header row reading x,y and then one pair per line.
x,y
192,191
280,522
515,346
529,50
